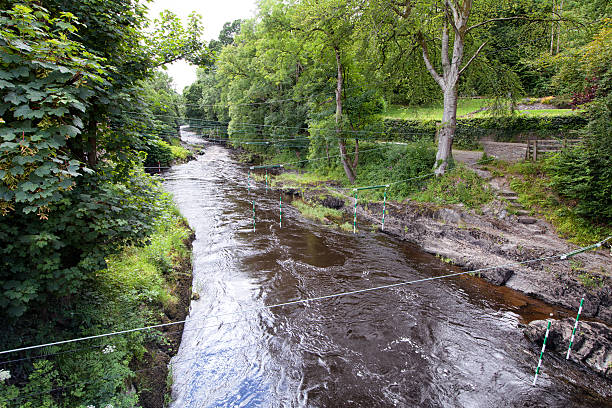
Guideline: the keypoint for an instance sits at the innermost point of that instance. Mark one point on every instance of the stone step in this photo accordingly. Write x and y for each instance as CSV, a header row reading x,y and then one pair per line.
x,y
527,220
507,193
521,213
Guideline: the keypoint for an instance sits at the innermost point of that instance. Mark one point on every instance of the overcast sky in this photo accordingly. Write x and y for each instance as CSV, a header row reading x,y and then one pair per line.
x,y
215,13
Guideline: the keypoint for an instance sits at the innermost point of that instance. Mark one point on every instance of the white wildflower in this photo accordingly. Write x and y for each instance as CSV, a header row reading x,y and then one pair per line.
x,y
108,406
5,375
90,406
108,349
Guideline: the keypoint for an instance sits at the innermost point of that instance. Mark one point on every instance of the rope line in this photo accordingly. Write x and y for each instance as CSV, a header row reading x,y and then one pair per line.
x,y
562,256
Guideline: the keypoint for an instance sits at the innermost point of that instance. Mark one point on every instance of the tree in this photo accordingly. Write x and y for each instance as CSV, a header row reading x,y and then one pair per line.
x,y
329,25
70,141
448,21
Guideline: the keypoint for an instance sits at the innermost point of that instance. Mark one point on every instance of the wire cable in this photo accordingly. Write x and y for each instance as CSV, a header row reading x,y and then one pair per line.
x,y
562,256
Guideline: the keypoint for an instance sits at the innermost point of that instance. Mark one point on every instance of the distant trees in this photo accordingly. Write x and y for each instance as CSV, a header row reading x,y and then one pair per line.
x,y
335,63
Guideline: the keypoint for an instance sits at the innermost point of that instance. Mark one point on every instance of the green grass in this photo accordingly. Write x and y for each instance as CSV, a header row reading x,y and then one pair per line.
x,y
146,272
434,111
302,179
464,107
458,186
548,112
347,226
317,212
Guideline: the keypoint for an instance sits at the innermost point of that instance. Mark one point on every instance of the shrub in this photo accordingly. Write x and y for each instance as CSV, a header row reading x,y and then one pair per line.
x,y
179,153
56,256
396,164
158,152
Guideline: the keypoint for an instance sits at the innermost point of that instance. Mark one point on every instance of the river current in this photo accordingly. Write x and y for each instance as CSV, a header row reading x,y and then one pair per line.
x,y
445,343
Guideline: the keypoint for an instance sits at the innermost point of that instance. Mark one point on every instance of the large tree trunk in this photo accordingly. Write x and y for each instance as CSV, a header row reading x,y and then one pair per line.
x,y
350,173
457,16
447,131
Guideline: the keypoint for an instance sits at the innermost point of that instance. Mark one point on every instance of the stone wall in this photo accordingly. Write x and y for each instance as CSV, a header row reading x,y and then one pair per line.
x,y
512,152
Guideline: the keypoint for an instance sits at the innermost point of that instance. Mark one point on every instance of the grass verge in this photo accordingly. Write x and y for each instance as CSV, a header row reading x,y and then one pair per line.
x,y
317,212
458,186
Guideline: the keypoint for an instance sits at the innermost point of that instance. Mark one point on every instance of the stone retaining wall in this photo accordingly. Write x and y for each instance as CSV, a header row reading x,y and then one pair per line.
x,y
512,152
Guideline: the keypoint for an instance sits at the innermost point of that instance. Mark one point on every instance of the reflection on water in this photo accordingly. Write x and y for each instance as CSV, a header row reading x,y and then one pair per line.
x,y
452,342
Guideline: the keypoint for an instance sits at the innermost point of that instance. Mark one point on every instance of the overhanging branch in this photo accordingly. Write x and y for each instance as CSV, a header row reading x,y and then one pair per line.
x,y
428,63
473,57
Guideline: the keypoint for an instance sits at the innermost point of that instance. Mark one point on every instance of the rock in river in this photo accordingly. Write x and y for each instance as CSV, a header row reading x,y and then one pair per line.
x,y
592,345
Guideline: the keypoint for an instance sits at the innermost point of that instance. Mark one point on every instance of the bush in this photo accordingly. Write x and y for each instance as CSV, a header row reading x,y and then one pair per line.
x,y
179,153
158,152
134,291
57,255
396,164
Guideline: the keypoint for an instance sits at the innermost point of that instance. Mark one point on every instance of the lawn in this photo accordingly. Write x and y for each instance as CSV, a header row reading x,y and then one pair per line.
x,y
434,111
465,106
549,112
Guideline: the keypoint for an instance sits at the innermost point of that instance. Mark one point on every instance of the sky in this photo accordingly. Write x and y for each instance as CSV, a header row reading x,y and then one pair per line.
x,y
215,13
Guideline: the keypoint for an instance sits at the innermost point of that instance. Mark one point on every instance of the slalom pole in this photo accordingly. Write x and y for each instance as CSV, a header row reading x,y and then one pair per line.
x,y
384,206
249,183
253,215
159,167
542,353
355,215
266,181
574,331
280,208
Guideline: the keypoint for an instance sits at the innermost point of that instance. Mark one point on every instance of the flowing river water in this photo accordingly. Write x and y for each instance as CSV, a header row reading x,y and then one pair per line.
x,y
445,343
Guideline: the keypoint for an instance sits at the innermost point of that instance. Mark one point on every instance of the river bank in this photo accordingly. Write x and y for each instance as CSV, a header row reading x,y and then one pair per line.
x,y
452,342
490,236
152,379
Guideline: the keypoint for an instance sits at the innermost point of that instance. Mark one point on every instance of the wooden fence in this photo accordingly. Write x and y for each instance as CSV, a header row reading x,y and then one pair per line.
x,y
539,147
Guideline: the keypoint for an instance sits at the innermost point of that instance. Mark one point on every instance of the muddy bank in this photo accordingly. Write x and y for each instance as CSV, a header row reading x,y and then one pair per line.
x,y
151,379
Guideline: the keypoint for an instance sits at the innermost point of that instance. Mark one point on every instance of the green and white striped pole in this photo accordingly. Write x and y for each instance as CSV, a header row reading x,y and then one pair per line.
x,y
384,207
253,215
541,353
280,207
574,331
266,181
249,182
355,215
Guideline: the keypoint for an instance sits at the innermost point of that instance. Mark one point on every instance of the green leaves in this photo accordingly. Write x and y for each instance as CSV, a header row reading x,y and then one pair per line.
x,y
38,68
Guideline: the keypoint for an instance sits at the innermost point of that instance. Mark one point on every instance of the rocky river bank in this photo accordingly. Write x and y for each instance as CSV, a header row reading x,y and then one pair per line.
x,y
473,241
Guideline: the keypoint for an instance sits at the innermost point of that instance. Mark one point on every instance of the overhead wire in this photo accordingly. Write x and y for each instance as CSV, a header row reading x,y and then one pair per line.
x,y
562,256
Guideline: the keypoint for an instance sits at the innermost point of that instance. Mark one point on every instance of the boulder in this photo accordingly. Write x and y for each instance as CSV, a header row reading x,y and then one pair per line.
x,y
332,202
592,345
498,276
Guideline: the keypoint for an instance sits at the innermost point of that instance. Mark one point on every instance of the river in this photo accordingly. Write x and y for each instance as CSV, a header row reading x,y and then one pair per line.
x,y
446,343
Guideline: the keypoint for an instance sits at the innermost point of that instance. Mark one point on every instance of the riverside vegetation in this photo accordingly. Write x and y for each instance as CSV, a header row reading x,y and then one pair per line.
x,y
83,107
89,243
